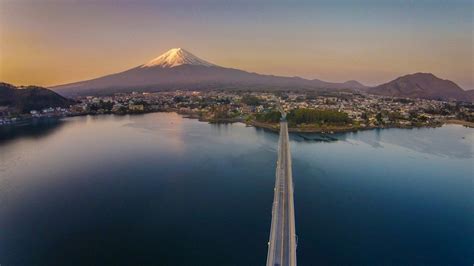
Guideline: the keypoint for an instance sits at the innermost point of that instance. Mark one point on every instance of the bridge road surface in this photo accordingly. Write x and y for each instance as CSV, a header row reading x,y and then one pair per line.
x,y
282,243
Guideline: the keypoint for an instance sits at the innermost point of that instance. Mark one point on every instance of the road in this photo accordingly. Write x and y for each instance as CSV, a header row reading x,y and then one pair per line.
x,y
282,243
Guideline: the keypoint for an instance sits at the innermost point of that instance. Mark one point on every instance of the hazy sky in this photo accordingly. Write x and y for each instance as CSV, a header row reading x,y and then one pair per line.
x,y
49,42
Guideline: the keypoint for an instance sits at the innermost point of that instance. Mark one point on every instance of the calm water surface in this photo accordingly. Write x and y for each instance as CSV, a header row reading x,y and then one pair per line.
x,y
163,190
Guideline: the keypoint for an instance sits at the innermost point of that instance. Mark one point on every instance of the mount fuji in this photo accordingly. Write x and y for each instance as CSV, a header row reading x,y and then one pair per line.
x,y
180,69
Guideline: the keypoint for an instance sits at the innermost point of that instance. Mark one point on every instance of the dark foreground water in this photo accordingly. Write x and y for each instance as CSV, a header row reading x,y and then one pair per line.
x,y
158,189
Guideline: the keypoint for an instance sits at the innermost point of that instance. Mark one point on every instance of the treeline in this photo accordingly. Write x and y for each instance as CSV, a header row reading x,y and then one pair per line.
x,y
251,100
307,116
101,105
313,116
270,117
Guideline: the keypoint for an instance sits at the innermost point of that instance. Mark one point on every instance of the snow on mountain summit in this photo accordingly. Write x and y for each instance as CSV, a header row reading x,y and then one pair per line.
x,y
176,57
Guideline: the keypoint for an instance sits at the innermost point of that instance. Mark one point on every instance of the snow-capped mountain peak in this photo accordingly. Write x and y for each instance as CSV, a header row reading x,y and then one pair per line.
x,y
176,57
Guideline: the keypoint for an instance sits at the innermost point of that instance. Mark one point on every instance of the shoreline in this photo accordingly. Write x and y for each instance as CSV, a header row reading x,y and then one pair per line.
x,y
331,130
269,126
326,130
459,122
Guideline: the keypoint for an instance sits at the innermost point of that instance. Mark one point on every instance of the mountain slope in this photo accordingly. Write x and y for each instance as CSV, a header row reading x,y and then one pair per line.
x,y
25,99
470,94
179,69
422,85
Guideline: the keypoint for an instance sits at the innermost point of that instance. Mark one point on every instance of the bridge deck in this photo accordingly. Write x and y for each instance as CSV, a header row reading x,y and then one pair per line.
x,y
282,243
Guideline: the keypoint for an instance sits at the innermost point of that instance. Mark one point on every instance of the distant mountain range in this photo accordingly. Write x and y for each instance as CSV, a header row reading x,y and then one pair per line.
x,y
25,99
179,69
423,85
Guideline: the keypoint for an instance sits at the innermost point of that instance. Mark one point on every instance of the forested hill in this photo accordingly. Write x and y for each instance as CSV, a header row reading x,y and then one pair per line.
x,y
25,99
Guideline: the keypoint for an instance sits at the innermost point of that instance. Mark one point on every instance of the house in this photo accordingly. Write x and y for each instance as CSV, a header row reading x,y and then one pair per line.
x,y
136,107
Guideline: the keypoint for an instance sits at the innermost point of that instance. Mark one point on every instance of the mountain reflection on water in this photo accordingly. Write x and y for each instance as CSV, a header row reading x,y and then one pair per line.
x,y
35,130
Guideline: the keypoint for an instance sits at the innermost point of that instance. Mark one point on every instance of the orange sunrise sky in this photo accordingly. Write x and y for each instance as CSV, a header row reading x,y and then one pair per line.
x,y
54,42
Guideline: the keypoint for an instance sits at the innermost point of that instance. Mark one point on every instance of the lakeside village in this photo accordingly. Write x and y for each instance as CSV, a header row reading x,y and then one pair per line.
x,y
307,111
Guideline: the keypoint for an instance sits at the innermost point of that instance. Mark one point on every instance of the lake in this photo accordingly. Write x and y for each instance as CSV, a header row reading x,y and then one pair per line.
x,y
159,189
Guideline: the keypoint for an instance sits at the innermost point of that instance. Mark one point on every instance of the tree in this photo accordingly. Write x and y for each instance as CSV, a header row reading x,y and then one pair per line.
x,y
270,117
250,100
312,116
379,117
364,116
